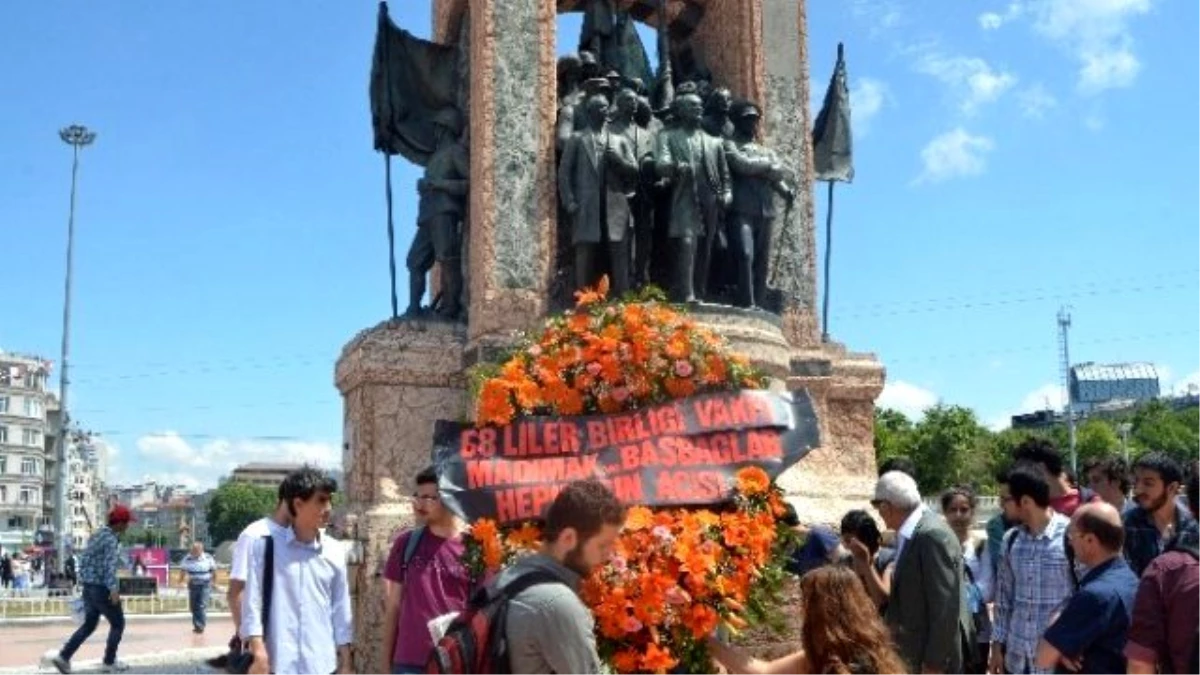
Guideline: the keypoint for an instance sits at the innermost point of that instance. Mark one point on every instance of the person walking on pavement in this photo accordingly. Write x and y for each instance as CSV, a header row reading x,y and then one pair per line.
x,y
98,573
6,570
199,567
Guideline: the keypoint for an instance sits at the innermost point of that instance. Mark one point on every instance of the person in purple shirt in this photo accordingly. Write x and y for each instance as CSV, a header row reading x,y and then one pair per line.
x,y
425,579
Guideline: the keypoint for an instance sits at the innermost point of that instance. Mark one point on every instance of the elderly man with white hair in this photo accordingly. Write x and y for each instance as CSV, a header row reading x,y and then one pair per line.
x,y
927,611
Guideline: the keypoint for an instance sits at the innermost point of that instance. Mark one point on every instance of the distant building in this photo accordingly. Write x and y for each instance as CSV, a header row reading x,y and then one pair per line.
x,y
24,493
262,474
1106,390
1115,386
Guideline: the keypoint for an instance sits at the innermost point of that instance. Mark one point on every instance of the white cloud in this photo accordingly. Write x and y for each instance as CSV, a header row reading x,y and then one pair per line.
x,y
1035,101
881,16
1187,385
971,78
207,462
998,422
994,20
867,98
1048,395
1093,121
1096,34
953,154
907,398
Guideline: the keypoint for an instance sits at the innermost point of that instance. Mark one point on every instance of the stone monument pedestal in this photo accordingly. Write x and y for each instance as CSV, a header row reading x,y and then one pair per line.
x,y
839,475
396,379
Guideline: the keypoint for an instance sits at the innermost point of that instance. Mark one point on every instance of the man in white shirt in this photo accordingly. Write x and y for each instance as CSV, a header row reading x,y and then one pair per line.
x,y
272,524
307,627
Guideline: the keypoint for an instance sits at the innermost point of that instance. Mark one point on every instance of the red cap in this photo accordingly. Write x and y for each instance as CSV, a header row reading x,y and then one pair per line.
x,y
120,514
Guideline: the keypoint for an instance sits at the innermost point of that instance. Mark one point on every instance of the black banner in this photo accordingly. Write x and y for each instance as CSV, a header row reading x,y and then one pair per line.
x,y
683,452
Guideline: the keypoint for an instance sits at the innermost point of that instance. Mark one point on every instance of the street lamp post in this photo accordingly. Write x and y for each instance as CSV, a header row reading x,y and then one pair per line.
x,y
1124,428
78,137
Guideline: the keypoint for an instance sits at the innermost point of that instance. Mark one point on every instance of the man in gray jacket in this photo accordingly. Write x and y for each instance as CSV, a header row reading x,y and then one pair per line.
x,y
927,611
549,629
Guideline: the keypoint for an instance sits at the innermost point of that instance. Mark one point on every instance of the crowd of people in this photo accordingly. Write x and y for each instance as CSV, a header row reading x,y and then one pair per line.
x,y
19,572
1071,579
1063,579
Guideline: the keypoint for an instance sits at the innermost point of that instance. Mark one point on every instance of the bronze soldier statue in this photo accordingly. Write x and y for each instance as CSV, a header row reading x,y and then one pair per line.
x,y
595,178
443,193
757,177
695,164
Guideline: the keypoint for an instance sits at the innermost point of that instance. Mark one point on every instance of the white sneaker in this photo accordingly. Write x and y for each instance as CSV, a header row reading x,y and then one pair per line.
x,y
117,666
57,661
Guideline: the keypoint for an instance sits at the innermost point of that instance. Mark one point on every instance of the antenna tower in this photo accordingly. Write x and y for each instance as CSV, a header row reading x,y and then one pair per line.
x,y
1064,372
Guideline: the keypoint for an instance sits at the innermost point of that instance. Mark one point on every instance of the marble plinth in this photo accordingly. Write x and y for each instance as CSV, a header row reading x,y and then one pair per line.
x,y
396,380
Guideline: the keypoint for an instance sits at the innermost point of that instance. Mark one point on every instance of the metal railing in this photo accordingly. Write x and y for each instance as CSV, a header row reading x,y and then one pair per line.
x,y
60,605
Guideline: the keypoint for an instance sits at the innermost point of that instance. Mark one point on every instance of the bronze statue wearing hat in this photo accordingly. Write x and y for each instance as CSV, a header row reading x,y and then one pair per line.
x,y
757,177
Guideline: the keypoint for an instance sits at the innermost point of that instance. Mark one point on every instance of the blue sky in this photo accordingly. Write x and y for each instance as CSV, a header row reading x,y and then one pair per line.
x,y
1011,157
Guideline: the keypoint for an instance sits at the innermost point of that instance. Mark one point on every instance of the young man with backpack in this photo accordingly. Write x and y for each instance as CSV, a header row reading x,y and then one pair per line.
x,y
296,613
424,578
1034,577
530,619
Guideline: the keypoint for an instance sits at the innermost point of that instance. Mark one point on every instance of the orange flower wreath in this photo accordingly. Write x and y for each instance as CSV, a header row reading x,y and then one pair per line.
x,y
677,574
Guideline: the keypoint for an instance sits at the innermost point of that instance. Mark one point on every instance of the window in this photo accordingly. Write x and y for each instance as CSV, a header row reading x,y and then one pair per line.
x,y
28,496
32,437
3,462
33,407
3,404
3,493
29,466
3,434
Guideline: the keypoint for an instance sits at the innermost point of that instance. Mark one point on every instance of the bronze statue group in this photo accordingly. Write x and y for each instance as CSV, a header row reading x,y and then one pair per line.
x,y
665,185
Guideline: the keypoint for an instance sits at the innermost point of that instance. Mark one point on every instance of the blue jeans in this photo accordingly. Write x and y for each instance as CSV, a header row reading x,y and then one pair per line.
x,y
97,603
198,602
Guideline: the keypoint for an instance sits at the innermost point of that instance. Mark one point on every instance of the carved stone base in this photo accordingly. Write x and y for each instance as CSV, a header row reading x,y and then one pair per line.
x,y
839,475
396,380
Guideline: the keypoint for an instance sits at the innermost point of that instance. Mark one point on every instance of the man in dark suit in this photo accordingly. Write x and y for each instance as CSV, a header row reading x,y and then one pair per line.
x,y
595,178
927,610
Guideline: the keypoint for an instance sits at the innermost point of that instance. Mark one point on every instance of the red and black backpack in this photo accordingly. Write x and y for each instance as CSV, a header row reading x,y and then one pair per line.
x,y
476,640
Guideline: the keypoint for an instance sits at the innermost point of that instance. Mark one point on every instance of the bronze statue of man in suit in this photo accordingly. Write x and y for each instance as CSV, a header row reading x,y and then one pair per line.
x,y
694,162
757,177
641,203
443,196
596,176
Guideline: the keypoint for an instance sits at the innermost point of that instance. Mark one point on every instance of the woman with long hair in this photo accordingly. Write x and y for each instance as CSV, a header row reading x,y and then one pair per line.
x,y
841,632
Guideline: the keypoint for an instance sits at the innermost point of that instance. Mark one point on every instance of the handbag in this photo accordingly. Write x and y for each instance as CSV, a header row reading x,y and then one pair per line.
x,y
240,657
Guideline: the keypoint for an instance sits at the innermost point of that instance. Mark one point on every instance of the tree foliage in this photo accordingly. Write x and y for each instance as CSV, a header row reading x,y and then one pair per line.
x,y
949,446
143,536
235,505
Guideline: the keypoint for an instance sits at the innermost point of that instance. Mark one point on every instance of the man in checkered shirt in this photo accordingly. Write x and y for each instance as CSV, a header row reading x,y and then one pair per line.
x,y
1034,579
98,574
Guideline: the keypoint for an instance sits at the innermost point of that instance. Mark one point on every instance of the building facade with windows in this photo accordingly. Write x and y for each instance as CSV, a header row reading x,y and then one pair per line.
x,y
24,401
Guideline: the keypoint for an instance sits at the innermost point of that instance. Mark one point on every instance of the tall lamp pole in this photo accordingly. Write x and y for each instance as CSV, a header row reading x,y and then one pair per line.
x,y
78,137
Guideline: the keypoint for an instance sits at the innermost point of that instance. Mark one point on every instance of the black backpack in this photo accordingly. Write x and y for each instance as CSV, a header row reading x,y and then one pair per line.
x,y
476,640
